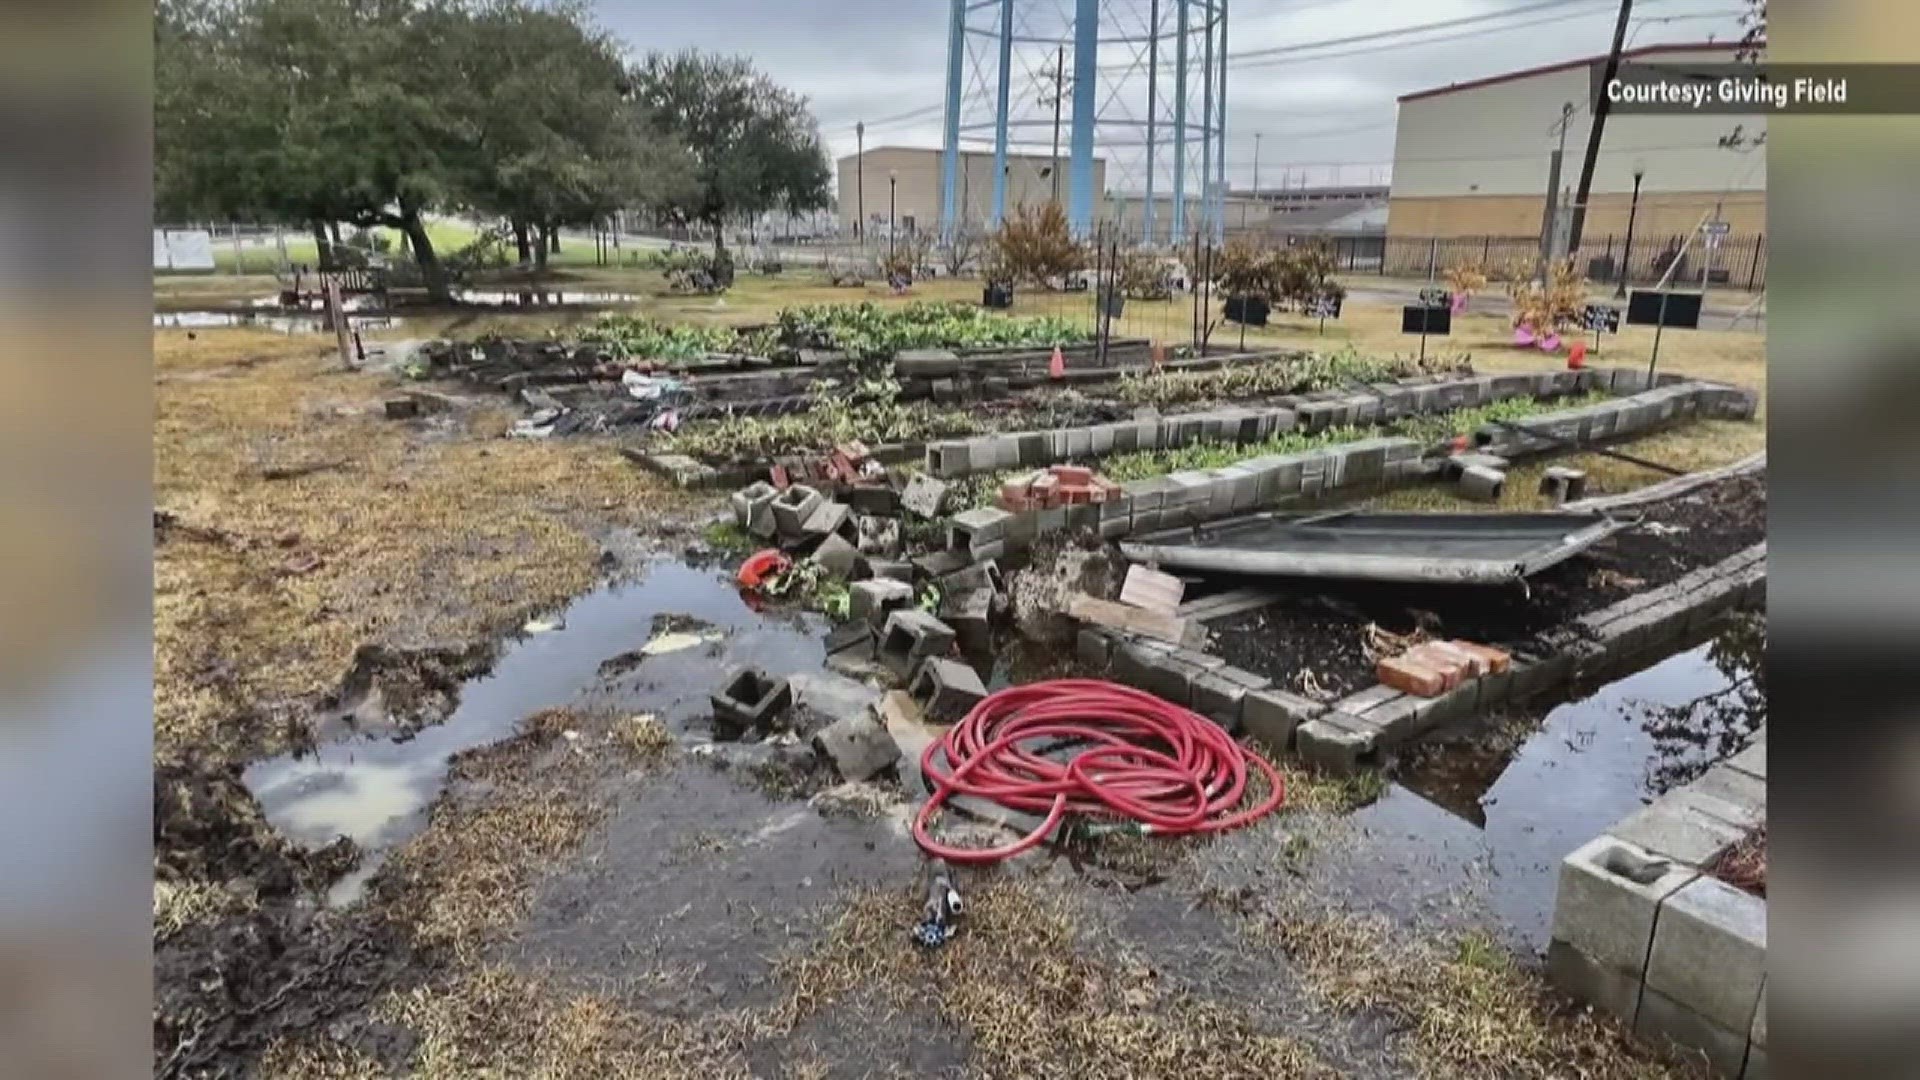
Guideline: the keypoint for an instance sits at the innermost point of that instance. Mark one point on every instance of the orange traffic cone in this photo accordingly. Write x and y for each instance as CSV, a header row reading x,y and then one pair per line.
x,y
1057,367
1159,355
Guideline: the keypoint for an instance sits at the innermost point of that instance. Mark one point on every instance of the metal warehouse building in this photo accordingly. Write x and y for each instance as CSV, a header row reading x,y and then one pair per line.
x,y
1471,159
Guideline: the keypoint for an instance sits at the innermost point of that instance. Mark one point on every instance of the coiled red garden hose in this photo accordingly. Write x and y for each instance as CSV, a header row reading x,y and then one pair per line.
x,y
1164,769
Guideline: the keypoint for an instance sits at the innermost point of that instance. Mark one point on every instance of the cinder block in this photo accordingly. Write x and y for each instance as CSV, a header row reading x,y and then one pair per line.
x,y
1093,647
1660,1018
1583,978
1743,795
1753,760
910,634
1609,896
948,460
792,509
858,745
1533,677
946,689
872,600
1133,664
1035,448
1337,743
1218,699
970,614
1482,484
982,525
753,508
1561,484
748,700
1245,679
1171,678
1673,828
1710,952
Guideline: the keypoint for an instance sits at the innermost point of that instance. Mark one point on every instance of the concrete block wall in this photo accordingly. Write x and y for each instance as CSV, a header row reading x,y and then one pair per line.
x,y
1643,931
952,458
1635,414
1194,496
1361,726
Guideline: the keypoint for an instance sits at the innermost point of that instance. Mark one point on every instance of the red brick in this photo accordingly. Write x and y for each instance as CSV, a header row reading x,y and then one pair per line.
x,y
1452,667
779,476
1014,489
1493,660
1476,665
1075,494
1073,474
854,450
1409,676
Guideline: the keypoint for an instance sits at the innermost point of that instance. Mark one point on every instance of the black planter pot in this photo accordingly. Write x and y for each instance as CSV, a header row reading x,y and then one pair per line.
x,y
1248,310
998,297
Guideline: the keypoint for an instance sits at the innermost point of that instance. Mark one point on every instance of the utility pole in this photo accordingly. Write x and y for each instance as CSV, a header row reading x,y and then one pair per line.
x,y
1059,94
1256,165
1552,216
1600,106
860,179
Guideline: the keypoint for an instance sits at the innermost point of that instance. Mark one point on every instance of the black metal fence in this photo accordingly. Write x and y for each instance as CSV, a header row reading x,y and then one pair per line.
x,y
1738,262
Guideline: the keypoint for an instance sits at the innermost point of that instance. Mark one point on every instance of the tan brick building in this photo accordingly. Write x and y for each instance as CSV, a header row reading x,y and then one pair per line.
x,y
1471,159
915,172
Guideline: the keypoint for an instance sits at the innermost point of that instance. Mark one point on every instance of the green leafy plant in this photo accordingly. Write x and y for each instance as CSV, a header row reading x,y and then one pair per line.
x,y
1291,375
870,330
642,338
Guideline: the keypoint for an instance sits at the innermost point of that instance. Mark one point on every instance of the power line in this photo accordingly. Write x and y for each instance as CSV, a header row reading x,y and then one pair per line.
x,y
1413,28
1441,39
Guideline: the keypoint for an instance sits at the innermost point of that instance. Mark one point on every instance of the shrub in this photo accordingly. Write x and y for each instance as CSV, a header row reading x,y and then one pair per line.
x,y
1553,307
1035,245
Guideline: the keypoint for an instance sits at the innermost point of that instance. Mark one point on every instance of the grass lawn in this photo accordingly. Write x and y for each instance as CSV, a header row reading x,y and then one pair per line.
x,y
419,539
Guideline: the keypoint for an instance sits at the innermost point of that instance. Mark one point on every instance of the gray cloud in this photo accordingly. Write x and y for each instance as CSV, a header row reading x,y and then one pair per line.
x,y
874,59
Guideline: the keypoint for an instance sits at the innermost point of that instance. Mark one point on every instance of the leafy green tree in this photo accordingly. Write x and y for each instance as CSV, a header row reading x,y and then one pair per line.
x,y
312,112
560,139
755,146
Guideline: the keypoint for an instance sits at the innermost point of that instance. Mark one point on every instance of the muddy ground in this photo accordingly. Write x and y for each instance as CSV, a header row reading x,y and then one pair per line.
x,y
598,893
552,869
1325,631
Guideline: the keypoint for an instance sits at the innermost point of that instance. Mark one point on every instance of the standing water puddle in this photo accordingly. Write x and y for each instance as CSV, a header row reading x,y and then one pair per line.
x,y
375,791
1591,762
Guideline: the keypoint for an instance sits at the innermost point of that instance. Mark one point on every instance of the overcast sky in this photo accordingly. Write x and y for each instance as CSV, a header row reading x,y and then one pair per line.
x,y
876,59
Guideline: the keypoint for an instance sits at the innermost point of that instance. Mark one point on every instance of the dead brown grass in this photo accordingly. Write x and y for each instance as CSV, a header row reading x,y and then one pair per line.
x,y
493,1021
470,875
1693,446
1471,1011
1030,998
419,538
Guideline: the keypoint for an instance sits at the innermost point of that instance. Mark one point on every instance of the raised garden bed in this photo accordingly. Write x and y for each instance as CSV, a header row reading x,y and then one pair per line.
x,y
1322,629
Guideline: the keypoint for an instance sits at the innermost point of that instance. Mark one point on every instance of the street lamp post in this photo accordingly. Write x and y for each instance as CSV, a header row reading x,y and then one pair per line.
x,y
860,179
893,186
1256,165
1626,249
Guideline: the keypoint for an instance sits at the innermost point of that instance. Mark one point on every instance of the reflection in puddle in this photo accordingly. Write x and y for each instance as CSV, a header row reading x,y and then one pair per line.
x,y
376,791
1537,793
262,320
540,298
